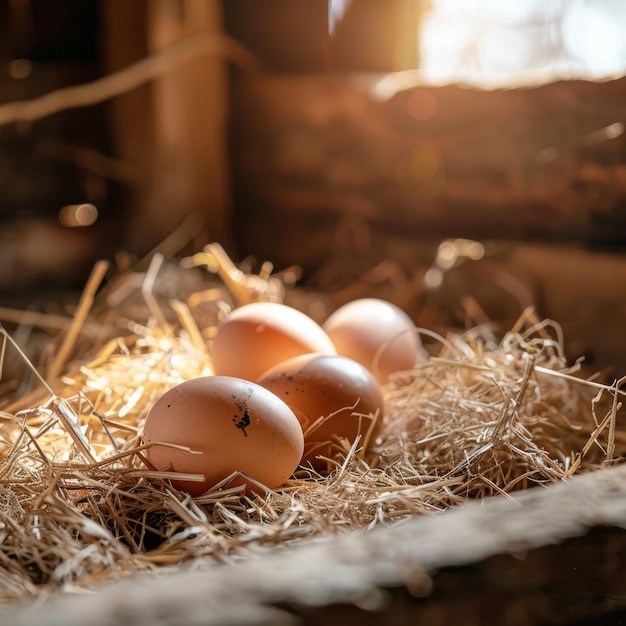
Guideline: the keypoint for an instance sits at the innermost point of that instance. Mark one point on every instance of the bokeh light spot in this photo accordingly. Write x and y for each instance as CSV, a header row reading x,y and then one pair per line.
x,y
77,215
421,104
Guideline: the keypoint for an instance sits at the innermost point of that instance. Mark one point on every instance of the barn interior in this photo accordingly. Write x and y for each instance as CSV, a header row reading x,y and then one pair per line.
x,y
465,161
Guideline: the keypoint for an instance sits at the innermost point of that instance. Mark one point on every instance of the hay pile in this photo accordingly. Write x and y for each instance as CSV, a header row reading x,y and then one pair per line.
x,y
79,505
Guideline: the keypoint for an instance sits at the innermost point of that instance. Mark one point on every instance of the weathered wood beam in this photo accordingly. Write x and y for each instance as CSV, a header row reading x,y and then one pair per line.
x,y
543,163
528,559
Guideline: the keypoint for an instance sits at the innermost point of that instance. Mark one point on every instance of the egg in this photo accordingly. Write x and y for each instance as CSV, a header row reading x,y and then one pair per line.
x,y
230,425
331,396
256,336
376,333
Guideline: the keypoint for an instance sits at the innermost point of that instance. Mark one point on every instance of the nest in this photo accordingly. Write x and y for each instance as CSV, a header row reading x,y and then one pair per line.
x,y
79,504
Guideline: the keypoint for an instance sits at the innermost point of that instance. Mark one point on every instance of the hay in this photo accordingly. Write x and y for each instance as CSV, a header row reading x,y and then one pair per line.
x,y
79,504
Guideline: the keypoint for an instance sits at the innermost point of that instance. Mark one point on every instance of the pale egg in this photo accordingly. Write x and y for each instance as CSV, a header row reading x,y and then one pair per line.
x,y
257,336
332,396
376,333
229,425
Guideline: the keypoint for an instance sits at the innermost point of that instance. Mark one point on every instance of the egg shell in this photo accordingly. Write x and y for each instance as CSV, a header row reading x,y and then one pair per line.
x,y
257,336
376,333
333,387
234,424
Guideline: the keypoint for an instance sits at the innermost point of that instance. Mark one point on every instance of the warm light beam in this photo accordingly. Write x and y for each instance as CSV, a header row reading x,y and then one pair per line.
x,y
336,11
495,43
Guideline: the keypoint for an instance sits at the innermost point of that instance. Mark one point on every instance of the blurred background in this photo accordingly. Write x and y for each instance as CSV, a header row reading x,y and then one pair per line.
x,y
464,159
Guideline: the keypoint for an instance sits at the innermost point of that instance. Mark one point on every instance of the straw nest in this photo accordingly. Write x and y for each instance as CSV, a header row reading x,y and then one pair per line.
x,y
485,415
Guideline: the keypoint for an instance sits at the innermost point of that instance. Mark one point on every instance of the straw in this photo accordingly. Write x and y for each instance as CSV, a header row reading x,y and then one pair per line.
x,y
79,504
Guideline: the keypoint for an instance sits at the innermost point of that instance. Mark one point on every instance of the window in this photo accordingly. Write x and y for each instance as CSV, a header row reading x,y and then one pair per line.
x,y
504,43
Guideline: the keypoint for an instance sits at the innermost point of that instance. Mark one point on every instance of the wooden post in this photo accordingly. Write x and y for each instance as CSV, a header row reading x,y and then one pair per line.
x,y
190,168
174,130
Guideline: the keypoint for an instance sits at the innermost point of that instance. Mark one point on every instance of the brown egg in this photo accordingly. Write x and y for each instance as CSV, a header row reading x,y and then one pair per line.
x,y
376,333
231,425
330,395
257,336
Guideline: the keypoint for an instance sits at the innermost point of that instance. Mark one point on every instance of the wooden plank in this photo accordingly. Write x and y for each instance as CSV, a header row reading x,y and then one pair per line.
x,y
543,163
531,558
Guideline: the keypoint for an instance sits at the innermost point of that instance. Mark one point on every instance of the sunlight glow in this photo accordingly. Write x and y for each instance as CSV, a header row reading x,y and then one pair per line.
x,y
494,42
77,215
336,10
596,38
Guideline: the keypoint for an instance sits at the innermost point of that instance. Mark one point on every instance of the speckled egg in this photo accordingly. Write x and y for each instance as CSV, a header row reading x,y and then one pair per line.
x,y
229,425
332,396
